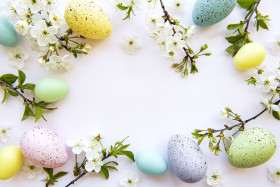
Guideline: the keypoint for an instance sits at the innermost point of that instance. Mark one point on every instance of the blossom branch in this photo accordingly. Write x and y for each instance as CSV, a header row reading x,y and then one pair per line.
x,y
247,21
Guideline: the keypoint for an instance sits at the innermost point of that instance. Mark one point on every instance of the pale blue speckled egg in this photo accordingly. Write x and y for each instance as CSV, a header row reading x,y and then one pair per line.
x,y
209,12
151,162
8,35
186,159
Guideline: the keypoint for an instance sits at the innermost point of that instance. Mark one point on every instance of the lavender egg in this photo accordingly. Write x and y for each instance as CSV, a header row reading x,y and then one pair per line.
x,y
43,147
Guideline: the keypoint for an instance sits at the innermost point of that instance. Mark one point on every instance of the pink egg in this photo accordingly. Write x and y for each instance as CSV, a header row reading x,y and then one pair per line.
x,y
43,147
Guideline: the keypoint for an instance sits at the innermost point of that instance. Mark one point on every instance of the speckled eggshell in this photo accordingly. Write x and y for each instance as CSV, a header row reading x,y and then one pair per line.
x,y
186,159
209,12
252,147
88,19
43,147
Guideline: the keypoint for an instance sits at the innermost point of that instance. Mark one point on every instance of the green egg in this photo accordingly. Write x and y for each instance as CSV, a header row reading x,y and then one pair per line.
x,y
252,148
51,89
151,162
8,35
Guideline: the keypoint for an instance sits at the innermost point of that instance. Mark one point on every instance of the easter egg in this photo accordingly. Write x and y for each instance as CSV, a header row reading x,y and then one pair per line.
x,y
88,19
209,12
8,35
11,160
150,162
252,147
43,147
249,56
51,89
186,159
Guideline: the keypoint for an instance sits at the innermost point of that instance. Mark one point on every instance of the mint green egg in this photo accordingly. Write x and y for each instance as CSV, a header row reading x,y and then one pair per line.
x,y
151,162
8,35
51,89
252,148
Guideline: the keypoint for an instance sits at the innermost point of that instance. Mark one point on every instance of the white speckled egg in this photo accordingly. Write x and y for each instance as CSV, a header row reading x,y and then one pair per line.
x,y
43,147
186,159
88,19
252,147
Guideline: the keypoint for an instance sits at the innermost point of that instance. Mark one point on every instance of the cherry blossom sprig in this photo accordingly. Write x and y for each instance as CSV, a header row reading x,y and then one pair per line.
x,y
96,156
171,36
126,6
46,30
270,84
33,107
241,28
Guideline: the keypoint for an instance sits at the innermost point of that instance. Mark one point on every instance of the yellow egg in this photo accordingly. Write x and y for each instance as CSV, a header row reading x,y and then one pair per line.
x,y
249,56
11,160
88,19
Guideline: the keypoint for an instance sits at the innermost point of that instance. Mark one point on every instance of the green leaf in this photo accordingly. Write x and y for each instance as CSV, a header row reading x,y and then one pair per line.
x,y
121,7
261,21
28,86
196,135
234,48
27,112
38,113
276,115
111,167
238,26
5,95
233,39
9,78
111,162
59,175
246,3
13,93
49,171
129,154
105,172
194,68
21,77
124,147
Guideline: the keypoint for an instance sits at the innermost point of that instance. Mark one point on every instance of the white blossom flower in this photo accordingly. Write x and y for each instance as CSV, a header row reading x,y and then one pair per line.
x,y
21,27
175,43
86,48
31,169
76,144
130,44
135,4
269,106
267,82
49,5
55,18
94,134
274,174
35,5
66,62
92,145
258,70
153,22
190,31
44,34
275,45
5,131
18,55
224,114
130,180
228,138
176,6
214,177
94,161
36,17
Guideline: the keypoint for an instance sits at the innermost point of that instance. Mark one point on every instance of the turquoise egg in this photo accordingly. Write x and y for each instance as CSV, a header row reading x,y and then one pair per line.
x,y
51,89
8,35
151,162
209,12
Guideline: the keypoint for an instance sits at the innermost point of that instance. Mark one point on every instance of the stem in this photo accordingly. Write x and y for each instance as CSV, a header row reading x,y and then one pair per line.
x,y
246,121
247,21
76,179
26,100
62,44
47,184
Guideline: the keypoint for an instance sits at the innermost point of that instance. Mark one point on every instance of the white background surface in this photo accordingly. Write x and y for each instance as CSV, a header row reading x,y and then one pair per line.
x,y
141,96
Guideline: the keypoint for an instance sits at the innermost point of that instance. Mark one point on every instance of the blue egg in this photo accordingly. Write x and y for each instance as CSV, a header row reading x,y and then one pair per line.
x,y
8,35
151,162
209,12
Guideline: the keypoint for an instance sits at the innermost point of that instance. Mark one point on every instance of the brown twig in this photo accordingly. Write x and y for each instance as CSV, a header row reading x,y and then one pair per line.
x,y
247,21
